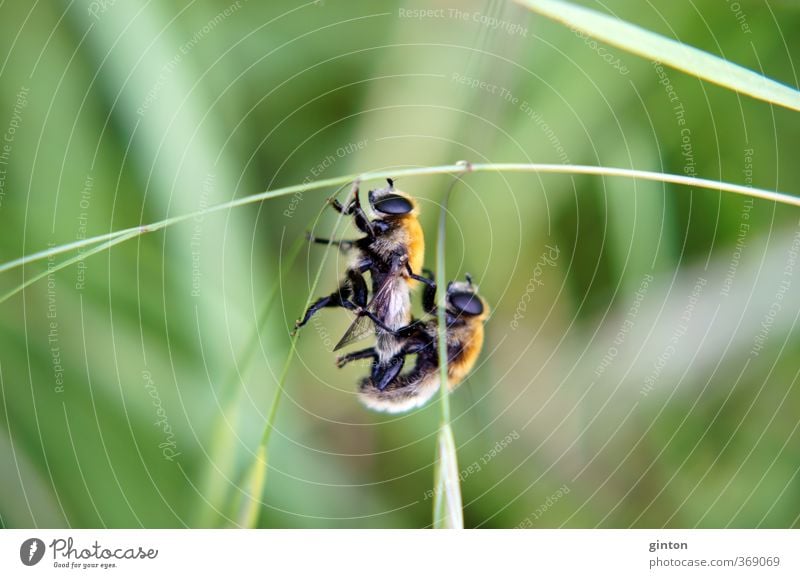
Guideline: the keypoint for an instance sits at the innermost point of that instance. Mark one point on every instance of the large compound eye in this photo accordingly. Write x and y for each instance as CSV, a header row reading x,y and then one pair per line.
x,y
467,303
393,205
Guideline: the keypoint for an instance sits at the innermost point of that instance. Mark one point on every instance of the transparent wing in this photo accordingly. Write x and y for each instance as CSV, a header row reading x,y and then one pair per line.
x,y
362,325
359,328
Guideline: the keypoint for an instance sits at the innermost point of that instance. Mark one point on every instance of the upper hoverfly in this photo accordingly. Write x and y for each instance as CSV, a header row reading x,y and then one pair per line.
x,y
392,250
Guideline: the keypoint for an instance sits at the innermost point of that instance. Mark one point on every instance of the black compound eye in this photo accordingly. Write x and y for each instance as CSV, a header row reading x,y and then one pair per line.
x,y
393,205
467,303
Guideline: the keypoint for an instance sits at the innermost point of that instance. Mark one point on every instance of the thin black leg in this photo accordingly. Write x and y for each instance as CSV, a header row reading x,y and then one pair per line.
x,y
345,245
377,321
426,280
354,202
363,223
358,286
338,207
383,375
354,208
343,360
429,298
341,298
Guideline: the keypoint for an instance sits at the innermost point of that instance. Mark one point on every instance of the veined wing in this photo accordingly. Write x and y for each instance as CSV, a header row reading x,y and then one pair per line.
x,y
359,328
363,325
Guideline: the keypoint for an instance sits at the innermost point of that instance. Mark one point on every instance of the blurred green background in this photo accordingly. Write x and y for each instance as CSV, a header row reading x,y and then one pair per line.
x,y
641,362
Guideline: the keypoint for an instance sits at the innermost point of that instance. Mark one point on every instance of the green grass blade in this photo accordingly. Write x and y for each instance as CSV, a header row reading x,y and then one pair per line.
x,y
115,240
256,476
127,234
447,504
222,453
441,296
254,487
67,247
667,51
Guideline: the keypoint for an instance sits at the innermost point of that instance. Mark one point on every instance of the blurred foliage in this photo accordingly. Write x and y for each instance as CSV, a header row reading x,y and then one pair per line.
x,y
120,114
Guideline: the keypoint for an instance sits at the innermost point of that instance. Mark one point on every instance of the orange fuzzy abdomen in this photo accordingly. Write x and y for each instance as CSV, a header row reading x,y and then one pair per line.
x,y
458,369
416,246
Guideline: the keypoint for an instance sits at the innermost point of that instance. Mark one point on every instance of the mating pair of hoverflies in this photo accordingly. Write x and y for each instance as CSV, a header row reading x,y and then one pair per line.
x,y
392,252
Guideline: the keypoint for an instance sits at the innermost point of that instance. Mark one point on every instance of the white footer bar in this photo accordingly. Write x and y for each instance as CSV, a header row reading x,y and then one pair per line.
x,y
389,553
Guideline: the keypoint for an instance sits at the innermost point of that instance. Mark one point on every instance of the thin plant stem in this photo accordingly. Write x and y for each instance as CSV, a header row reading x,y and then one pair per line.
x,y
231,395
257,474
447,504
130,233
67,247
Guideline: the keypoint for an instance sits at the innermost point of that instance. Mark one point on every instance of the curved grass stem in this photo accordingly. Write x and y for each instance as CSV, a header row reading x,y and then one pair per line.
x,y
256,476
221,454
122,237
125,234
658,48
447,505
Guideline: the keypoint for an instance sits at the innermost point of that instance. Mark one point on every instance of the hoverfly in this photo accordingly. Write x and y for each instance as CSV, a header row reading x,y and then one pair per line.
x,y
392,250
465,314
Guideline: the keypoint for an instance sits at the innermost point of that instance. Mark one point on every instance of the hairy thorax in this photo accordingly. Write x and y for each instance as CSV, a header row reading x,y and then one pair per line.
x,y
395,315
